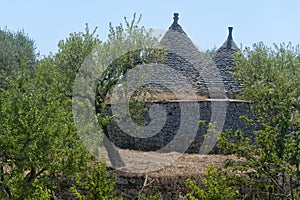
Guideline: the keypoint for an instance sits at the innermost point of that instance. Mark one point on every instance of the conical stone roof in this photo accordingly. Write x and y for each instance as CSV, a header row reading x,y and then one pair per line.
x,y
224,60
210,79
183,55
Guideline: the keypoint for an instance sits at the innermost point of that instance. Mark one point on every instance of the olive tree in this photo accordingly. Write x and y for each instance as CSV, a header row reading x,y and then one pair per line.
x,y
270,79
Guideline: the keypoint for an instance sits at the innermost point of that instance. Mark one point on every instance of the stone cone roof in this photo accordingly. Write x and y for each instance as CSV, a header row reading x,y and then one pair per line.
x,y
210,79
224,60
183,56
229,45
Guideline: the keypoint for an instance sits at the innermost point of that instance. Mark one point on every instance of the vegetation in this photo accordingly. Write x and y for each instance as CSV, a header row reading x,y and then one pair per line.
x,y
19,49
94,184
39,144
41,155
217,185
270,162
270,79
40,150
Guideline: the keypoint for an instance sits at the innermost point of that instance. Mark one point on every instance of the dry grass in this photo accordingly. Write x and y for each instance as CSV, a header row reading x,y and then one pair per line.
x,y
167,165
161,96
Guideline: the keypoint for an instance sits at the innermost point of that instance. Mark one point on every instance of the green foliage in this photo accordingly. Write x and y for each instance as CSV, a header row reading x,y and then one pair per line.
x,y
16,48
218,185
137,108
39,144
270,79
40,148
38,137
128,46
125,48
94,183
211,52
72,53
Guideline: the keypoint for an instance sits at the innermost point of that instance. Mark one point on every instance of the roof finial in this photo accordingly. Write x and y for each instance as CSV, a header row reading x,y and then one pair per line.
x,y
176,18
229,39
230,33
175,26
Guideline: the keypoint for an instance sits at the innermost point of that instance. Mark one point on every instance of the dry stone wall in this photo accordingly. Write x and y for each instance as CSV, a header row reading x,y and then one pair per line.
x,y
234,109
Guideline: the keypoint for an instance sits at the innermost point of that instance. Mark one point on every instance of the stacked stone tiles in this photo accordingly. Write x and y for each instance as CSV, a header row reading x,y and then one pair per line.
x,y
207,77
224,60
182,53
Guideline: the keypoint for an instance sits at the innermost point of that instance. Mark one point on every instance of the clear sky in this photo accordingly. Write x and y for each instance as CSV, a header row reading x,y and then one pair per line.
x,y
205,21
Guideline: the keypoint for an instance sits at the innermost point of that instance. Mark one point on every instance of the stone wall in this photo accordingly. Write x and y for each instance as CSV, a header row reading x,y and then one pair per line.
x,y
166,134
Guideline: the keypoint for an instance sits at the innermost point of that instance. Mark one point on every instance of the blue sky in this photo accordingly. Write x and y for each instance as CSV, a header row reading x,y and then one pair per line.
x,y
205,22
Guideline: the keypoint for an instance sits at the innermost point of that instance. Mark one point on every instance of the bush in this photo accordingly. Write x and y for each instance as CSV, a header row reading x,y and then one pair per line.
x,y
94,183
218,185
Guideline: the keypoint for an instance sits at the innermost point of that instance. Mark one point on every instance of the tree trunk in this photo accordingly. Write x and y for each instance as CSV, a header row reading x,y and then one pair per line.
x,y
113,153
